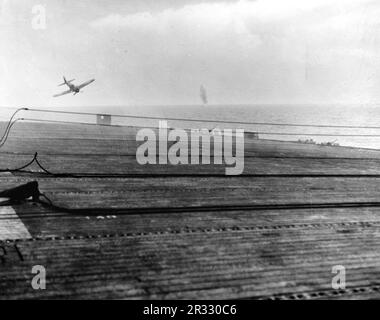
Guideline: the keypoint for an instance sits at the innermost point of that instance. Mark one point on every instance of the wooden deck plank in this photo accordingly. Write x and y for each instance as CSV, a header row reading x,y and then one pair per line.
x,y
121,164
201,191
11,227
161,267
46,223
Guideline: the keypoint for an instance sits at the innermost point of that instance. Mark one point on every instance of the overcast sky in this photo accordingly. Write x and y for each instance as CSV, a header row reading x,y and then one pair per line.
x,y
160,51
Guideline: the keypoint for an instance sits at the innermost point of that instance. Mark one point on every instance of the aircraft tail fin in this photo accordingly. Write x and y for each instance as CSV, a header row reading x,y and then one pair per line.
x,y
65,82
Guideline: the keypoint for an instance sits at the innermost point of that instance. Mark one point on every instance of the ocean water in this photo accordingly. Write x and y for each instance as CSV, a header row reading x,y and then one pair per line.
x,y
325,115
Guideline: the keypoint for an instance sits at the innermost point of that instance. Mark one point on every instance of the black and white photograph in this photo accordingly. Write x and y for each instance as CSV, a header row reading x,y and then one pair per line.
x,y
208,151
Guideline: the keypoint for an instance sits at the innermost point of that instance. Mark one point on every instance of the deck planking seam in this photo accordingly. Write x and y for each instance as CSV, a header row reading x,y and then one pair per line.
x,y
322,293
362,224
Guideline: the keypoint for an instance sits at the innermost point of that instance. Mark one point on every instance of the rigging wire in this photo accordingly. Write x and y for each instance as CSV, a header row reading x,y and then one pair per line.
x,y
210,120
9,124
6,134
253,132
12,123
202,120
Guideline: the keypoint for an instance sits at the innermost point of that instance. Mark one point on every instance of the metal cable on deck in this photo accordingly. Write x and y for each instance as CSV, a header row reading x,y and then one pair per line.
x,y
20,169
213,208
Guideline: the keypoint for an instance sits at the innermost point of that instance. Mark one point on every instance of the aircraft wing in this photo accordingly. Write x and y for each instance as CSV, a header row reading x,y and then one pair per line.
x,y
85,84
62,93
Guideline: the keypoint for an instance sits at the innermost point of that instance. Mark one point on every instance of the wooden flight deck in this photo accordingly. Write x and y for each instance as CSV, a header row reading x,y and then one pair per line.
x,y
122,230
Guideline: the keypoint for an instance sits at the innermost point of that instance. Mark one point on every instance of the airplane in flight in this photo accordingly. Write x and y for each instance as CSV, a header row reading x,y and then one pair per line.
x,y
72,87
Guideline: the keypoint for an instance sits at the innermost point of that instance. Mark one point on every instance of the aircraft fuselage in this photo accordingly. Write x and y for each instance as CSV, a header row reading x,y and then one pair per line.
x,y
73,88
